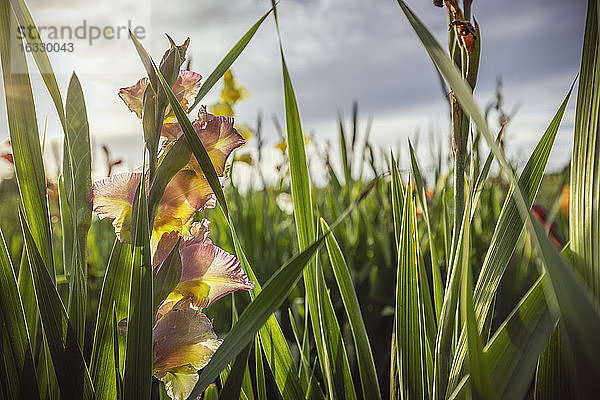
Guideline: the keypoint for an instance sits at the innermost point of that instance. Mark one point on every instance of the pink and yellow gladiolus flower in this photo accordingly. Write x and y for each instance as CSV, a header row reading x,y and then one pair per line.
x,y
183,337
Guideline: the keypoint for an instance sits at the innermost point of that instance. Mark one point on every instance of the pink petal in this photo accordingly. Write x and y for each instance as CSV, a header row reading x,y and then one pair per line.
x,y
208,272
218,136
171,130
187,193
183,337
164,247
113,197
134,95
186,88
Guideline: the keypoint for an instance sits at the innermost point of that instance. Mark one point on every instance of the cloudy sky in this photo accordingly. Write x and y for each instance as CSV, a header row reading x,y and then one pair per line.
x,y
337,51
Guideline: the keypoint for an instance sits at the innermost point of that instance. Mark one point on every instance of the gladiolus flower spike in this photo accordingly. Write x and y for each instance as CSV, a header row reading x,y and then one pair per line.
x,y
183,337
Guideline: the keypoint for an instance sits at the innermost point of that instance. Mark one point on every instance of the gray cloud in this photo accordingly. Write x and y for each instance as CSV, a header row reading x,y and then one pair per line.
x,y
342,50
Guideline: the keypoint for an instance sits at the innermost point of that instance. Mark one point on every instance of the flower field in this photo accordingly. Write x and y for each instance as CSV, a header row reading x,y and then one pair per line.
x,y
475,278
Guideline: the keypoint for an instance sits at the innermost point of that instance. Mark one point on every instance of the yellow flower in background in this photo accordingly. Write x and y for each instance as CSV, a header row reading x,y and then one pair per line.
x,y
245,131
245,158
282,146
221,109
230,94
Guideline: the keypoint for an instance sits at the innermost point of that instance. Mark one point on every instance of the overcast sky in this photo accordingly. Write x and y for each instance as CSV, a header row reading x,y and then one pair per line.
x,y
337,51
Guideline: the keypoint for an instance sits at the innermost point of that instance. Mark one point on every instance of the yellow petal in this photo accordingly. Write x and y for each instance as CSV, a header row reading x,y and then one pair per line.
x,y
179,386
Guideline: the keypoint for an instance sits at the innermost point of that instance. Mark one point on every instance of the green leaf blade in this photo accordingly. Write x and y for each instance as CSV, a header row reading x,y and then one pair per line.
x,y
114,295
25,142
409,317
21,380
438,290
506,234
584,220
481,385
366,365
71,370
137,378
77,167
233,385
